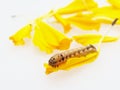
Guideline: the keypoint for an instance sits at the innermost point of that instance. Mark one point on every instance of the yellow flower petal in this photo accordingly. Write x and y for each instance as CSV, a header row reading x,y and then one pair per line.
x,y
18,37
84,22
39,40
106,14
77,5
48,38
64,22
115,3
72,63
87,39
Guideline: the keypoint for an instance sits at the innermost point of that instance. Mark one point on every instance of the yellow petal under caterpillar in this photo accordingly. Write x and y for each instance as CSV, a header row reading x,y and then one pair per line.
x,y
72,62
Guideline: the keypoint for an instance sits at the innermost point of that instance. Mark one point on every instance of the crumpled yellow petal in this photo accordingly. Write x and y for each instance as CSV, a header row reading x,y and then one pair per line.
x,y
106,14
72,63
47,38
18,37
84,22
115,3
64,22
76,6
87,39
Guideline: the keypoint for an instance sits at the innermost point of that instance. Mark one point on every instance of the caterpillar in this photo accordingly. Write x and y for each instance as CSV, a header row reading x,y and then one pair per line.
x,y
62,57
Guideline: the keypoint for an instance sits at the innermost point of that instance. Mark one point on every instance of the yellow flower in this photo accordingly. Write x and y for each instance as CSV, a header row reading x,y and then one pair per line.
x,y
72,63
106,14
115,3
64,22
87,39
77,5
84,22
47,38
18,37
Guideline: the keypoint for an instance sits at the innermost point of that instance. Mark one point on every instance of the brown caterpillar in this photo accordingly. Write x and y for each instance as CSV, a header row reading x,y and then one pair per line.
x,y
62,57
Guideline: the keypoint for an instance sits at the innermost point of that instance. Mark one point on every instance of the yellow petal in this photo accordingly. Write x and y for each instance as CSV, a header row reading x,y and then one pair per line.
x,y
77,5
18,37
84,22
106,14
72,63
87,39
115,3
64,22
47,38
39,40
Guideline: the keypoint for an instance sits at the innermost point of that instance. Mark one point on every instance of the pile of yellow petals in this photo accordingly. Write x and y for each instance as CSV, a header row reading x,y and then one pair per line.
x,y
86,39
47,38
18,37
86,14
72,63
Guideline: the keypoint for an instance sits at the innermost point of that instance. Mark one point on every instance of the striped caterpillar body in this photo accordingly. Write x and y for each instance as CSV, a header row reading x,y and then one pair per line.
x,y
62,57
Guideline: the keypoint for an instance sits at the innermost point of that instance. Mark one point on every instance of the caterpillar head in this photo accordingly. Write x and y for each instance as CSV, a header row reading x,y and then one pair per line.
x,y
52,61
56,60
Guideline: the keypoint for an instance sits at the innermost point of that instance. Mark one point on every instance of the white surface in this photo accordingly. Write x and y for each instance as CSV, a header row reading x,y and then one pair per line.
x,y
21,68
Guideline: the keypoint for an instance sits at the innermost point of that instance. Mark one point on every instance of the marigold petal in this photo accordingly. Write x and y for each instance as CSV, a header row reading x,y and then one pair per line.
x,y
18,37
84,22
77,5
48,38
106,14
72,63
87,39
110,39
39,40
64,22
115,3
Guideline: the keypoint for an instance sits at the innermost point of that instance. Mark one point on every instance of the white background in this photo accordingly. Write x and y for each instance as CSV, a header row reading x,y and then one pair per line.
x,y
21,67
